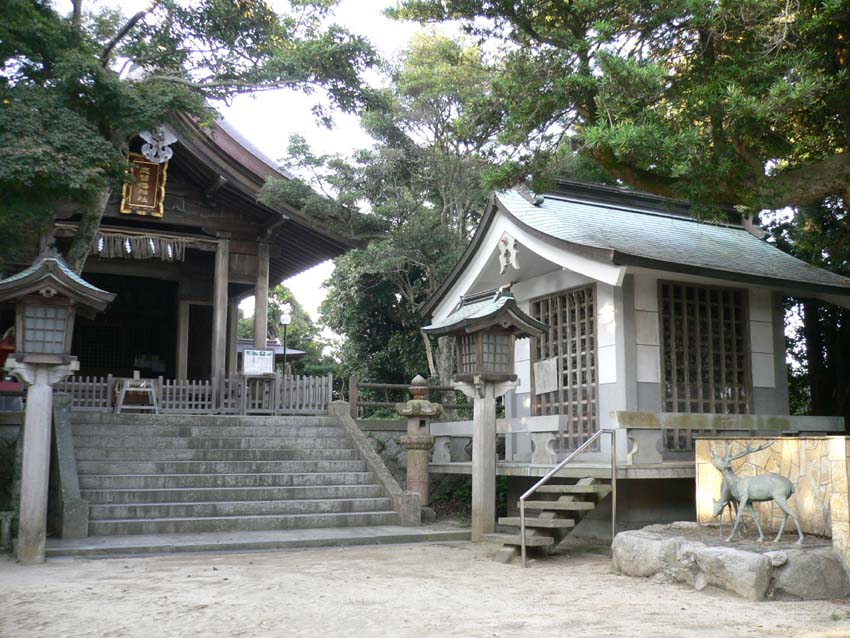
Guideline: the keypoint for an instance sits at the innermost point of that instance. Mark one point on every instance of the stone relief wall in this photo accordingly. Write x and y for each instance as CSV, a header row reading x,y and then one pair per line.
x,y
817,466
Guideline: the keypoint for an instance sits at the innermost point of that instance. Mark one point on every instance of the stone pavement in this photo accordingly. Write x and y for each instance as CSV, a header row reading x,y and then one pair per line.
x,y
156,544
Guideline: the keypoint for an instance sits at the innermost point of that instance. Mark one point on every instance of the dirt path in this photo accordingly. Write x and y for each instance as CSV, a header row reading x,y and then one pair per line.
x,y
400,591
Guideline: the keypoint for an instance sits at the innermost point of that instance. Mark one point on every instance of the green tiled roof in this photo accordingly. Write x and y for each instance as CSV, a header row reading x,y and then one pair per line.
x,y
486,309
473,310
647,234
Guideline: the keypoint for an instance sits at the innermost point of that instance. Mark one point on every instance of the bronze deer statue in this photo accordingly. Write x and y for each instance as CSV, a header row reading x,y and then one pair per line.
x,y
726,500
755,489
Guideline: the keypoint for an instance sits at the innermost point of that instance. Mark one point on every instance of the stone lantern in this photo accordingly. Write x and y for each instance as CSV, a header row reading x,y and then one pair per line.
x,y
418,440
485,327
48,295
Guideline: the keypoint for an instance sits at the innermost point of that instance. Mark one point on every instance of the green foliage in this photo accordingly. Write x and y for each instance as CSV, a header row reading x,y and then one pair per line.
x,y
739,103
423,187
75,89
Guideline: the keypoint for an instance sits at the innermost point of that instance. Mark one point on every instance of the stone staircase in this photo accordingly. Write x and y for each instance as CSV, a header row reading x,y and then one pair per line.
x,y
550,515
173,474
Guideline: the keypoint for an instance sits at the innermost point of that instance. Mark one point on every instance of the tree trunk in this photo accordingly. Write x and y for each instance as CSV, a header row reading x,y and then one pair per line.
x,y
87,230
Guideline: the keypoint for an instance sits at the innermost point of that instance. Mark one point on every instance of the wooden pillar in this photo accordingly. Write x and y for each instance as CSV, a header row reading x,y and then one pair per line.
x,y
219,339
261,297
232,336
182,339
484,463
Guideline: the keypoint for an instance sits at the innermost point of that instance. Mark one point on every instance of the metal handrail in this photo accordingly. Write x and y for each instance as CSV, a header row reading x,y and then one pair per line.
x,y
558,468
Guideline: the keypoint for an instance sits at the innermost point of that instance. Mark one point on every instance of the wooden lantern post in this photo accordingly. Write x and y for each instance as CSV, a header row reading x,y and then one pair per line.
x,y
485,328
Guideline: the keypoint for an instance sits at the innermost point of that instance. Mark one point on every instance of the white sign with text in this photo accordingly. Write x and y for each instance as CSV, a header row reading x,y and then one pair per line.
x,y
258,362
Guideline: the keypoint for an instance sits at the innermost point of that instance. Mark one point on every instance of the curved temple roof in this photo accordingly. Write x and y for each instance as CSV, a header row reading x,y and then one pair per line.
x,y
49,269
624,228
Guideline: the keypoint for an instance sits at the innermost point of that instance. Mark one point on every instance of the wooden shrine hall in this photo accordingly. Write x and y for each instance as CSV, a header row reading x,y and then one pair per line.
x,y
181,246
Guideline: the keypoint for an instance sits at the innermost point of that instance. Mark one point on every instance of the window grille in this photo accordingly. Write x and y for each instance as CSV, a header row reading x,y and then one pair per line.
x,y
44,329
705,349
496,353
571,340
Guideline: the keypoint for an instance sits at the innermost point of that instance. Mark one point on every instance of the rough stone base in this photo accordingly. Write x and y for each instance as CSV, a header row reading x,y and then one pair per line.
x,y
696,555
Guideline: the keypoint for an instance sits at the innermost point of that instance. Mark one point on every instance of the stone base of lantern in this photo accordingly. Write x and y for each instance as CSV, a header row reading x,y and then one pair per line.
x,y
35,468
418,452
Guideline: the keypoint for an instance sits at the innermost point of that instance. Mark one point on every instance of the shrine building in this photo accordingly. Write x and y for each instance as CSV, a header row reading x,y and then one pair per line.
x,y
180,248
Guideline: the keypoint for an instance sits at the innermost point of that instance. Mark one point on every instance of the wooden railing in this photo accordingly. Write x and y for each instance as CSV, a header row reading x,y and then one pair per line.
x,y
364,398
235,395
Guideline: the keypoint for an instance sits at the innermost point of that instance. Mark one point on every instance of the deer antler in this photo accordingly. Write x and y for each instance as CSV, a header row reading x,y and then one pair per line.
x,y
749,450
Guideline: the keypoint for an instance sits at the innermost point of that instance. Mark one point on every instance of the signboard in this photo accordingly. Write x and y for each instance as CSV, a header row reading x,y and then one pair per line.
x,y
546,376
145,195
257,362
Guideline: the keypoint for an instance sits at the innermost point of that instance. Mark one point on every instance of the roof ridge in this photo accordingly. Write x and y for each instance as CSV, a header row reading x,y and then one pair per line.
x,y
641,211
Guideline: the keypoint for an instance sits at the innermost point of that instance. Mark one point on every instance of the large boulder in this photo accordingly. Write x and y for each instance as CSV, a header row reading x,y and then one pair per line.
x,y
687,554
745,573
643,553
811,575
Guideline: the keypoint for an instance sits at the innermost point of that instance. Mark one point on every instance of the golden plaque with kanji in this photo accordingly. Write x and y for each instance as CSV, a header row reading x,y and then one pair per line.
x,y
146,194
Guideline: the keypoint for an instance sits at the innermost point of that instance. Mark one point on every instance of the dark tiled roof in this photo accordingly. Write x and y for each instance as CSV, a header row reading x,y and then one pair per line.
x,y
633,233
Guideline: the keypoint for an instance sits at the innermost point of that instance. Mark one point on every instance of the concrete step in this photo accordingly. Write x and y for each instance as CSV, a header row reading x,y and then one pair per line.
x,y
515,539
216,467
223,480
600,490
570,506
215,432
237,508
542,523
213,494
239,523
114,546
211,443
110,418
188,454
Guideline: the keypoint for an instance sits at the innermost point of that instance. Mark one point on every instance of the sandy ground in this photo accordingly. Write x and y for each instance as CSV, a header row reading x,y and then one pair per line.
x,y
402,590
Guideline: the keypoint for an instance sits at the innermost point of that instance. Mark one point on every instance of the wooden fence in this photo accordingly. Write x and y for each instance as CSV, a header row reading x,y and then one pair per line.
x,y
236,395
365,398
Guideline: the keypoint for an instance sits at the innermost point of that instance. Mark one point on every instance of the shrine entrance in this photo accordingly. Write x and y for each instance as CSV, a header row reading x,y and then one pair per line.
x,y
137,332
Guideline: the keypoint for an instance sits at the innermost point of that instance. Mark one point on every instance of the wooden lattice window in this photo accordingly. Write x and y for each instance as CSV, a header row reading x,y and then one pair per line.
x,y
571,342
44,328
705,349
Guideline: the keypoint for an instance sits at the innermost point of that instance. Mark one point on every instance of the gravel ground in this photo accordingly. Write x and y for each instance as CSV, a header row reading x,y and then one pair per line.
x,y
400,590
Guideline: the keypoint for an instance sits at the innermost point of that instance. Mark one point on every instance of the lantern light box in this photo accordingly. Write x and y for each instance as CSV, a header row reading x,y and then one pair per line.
x,y
485,327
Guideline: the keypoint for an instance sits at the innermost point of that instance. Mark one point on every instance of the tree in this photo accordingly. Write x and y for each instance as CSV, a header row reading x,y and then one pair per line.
x,y
423,183
75,89
723,103
820,376
738,103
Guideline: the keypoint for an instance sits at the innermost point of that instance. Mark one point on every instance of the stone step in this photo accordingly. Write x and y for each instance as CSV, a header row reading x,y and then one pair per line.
x,y
188,454
223,480
115,546
570,506
515,539
543,523
239,523
600,490
216,467
237,508
211,443
214,432
212,494
110,418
